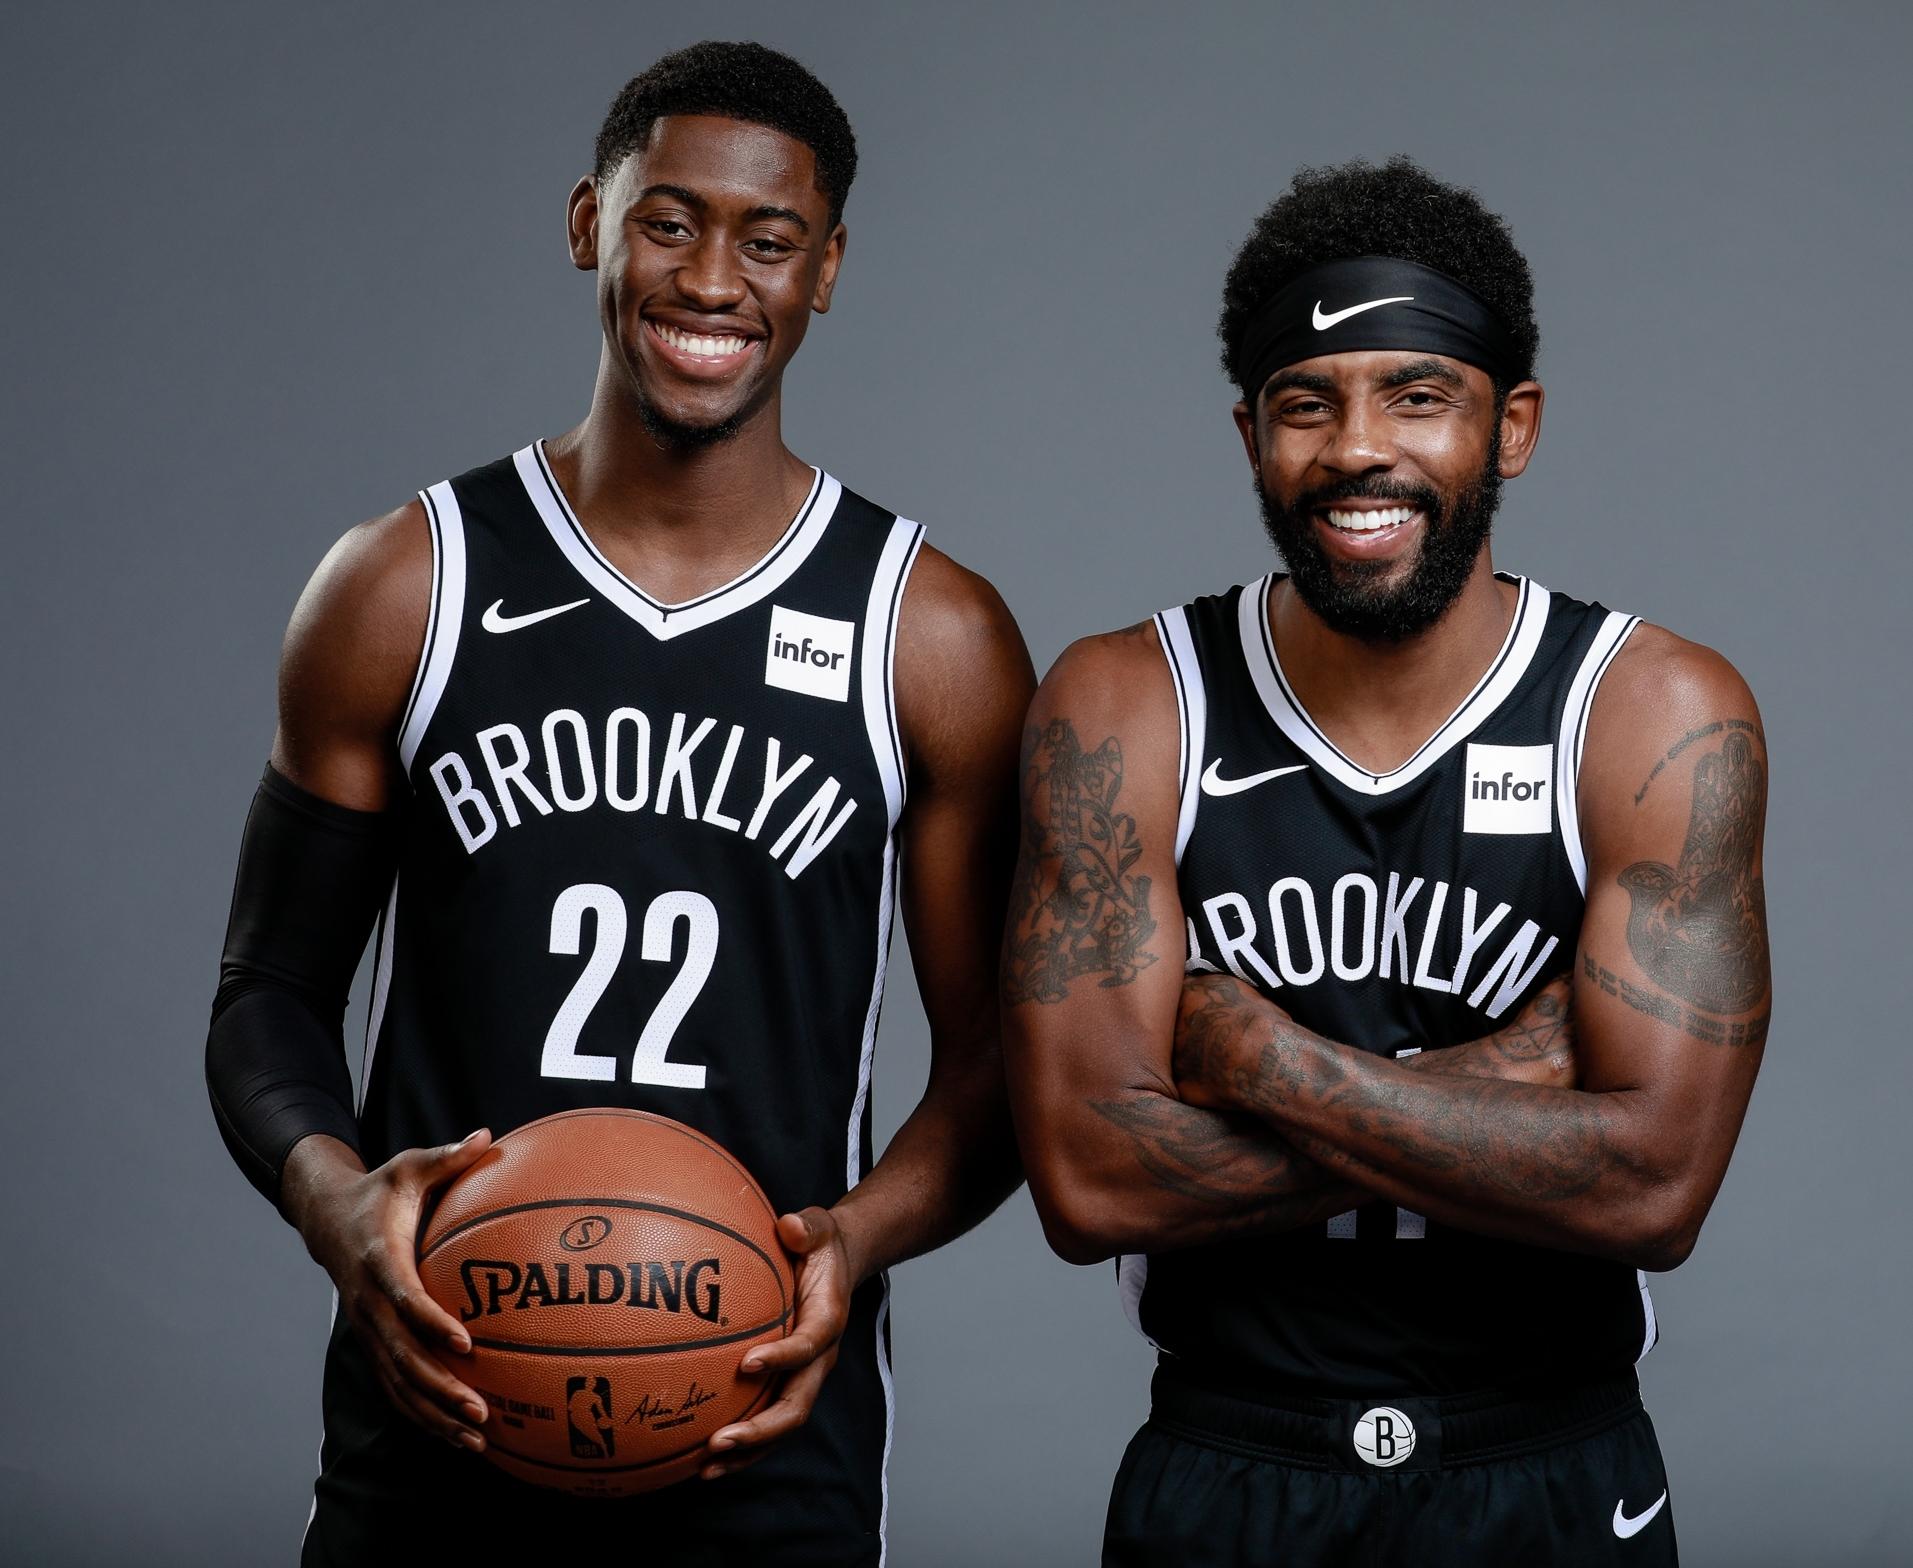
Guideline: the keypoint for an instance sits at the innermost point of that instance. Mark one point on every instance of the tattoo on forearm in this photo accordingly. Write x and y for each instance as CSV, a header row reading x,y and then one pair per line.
x,y
1702,1026
1507,1135
1076,907
1248,1178
1699,930
1542,1030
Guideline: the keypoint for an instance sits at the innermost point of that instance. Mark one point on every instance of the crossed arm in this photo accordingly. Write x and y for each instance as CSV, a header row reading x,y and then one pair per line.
x,y
1155,1114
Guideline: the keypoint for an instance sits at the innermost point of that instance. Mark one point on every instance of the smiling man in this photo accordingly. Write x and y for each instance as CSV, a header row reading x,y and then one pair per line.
x,y
655,676
1387,967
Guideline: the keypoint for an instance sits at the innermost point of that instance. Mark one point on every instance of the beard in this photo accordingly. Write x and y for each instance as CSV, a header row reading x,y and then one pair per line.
x,y
1354,597
677,436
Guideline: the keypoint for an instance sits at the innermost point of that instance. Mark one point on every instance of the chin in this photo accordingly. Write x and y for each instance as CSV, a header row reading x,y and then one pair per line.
x,y
686,435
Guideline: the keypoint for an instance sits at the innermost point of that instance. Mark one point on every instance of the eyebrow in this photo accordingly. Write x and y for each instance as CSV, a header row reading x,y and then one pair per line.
x,y
1298,380
691,198
1421,370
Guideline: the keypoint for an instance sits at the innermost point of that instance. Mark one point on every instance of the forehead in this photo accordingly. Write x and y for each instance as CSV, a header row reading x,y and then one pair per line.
x,y
724,161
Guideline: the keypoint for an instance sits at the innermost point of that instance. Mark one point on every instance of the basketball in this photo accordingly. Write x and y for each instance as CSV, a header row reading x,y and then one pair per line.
x,y
612,1268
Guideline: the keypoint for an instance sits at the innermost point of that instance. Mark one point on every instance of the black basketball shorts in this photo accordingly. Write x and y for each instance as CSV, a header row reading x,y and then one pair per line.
x,y
1477,1482
391,1494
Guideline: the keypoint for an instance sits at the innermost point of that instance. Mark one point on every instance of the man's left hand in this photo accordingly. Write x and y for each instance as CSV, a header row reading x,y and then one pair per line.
x,y
804,1357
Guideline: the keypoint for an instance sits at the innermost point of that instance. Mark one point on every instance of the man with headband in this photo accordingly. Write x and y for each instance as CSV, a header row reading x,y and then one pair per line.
x,y
1387,964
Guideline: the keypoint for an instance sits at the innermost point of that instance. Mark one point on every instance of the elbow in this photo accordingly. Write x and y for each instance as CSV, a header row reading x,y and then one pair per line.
x,y
1659,1232
1667,1246
1076,1223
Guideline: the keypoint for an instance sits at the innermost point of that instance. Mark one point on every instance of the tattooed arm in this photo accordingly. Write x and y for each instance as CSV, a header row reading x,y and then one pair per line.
x,y
1669,1013
1092,972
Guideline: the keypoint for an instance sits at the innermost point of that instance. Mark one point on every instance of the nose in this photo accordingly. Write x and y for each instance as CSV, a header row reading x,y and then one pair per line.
x,y
1361,441
709,277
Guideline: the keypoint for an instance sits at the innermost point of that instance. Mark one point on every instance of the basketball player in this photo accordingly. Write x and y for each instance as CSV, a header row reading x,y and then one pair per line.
x,y
1387,970
623,739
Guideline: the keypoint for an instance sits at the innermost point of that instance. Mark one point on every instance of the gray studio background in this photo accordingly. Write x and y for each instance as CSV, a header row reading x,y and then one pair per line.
x,y
269,269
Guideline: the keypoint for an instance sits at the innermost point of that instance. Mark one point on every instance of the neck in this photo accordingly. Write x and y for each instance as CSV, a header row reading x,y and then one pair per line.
x,y
623,479
1379,700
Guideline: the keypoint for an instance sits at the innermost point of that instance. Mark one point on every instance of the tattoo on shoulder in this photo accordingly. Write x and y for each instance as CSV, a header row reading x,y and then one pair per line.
x,y
1076,907
1699,929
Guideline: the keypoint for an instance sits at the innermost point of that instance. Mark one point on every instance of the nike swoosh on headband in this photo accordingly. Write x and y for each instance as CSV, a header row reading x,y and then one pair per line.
x,y
1323,323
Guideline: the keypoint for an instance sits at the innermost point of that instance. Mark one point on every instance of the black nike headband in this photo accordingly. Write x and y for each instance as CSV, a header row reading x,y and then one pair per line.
x,y
1374,302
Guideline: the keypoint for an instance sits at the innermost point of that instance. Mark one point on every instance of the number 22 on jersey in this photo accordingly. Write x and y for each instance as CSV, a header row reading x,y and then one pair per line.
x,y
649,1063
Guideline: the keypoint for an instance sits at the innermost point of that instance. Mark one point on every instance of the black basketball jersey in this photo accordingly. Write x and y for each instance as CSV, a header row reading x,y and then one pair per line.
x,y
650,854
1411,910
650,857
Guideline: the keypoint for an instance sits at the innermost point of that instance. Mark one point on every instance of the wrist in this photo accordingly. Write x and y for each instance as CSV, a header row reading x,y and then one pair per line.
x,y
311,1176
854,1236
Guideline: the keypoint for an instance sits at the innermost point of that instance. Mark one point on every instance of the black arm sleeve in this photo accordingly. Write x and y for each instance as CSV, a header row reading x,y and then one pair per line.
x,y
312,875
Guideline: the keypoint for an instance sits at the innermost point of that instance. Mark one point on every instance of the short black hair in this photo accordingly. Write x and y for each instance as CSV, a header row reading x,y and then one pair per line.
x,y
739,81
1398,209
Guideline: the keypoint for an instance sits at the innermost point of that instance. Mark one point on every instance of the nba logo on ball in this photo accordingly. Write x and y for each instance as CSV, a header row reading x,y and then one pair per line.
x,y
1384,1436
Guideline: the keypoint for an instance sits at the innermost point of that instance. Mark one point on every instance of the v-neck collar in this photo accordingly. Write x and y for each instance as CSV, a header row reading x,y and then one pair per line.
x,y
665,621
1493,689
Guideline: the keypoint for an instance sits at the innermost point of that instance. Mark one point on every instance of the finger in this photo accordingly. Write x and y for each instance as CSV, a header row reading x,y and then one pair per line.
x,y
803,1232
397,1278
797,1349
418,1368
440,1165
424,1415
790,1411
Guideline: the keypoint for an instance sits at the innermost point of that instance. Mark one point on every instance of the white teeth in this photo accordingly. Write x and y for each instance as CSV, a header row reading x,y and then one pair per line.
x,y
1368,522
704,345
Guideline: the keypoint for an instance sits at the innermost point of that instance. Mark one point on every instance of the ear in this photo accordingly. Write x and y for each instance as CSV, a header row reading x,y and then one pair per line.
x,y
827,274
1245,427
1520,428
581,223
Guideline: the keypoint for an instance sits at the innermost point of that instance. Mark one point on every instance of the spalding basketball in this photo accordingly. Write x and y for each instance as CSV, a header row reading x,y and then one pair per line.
x,y
612,1268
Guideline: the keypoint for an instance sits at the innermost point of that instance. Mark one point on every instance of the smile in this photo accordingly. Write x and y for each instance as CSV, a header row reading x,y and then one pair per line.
x,y
1367,522
712,347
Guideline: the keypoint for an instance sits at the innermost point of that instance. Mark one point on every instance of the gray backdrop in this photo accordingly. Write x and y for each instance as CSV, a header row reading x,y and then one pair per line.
x,y
268,270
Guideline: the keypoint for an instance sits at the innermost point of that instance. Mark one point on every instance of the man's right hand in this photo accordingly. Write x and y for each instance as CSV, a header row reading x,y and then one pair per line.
x,y
361,1227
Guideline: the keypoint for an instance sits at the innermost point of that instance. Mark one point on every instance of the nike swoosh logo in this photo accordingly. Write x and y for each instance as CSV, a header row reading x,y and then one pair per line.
x,y
1624,1526
495,620
1213,783
1323,323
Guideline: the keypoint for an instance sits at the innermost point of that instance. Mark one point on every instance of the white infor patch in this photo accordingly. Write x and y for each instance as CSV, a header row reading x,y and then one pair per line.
x,y
809,653
1384,1436
1508,789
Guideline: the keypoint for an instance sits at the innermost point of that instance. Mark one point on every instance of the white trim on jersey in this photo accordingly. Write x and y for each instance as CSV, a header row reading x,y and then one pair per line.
x,y
886,903
381,988
1192,714
443,620
889,1423
1615,631
1651,1330
1496,685
665,621
1132,1275
878,658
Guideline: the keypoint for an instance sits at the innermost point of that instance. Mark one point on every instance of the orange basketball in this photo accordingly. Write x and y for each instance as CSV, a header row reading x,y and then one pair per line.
x,y
612,1268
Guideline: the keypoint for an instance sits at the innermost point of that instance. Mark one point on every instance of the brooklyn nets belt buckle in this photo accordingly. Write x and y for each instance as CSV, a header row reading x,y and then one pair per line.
x,y
1399,1434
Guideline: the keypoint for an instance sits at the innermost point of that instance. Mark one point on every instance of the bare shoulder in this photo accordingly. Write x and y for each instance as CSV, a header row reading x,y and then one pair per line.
x,y
1665,706
1120,673
1658,674
963,675
948,607
350,653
